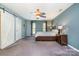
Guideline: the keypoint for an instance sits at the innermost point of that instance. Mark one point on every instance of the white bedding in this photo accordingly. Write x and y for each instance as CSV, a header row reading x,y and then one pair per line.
x,y
52,33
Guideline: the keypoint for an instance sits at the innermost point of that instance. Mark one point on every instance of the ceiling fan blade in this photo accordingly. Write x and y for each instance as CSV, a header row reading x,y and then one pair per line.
x,y
43,16
43,13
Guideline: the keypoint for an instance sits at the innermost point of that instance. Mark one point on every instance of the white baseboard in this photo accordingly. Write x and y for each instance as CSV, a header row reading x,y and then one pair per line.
x,y
73,48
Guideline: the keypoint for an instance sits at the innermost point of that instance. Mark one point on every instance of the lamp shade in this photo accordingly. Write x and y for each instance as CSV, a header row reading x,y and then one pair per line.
x,y
60,27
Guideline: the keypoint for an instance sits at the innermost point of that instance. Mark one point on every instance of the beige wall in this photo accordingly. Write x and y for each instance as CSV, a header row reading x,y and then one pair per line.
x,y
49,24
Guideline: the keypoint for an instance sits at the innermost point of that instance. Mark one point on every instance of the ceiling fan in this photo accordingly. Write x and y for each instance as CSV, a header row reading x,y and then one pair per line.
x,y
38,14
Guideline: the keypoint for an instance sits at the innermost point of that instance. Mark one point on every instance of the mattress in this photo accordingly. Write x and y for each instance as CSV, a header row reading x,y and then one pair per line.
x,y
51,33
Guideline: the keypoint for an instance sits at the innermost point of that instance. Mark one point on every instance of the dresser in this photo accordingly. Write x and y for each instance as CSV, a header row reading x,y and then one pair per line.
x,y
62,39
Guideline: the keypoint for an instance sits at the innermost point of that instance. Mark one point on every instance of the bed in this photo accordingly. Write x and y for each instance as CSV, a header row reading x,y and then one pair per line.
x,y
46,36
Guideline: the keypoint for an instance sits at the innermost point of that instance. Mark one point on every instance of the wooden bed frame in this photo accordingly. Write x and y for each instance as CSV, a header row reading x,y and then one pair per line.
x,y
46,38
61,39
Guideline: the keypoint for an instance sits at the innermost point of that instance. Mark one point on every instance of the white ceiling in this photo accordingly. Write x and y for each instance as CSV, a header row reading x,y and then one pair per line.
x,y
26,10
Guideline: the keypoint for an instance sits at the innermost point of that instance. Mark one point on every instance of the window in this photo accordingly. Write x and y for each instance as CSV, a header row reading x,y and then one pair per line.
x,y
44,27
38,27
33,28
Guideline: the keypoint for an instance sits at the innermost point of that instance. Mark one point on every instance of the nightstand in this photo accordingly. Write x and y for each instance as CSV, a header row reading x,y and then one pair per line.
x,y
58,39
62,39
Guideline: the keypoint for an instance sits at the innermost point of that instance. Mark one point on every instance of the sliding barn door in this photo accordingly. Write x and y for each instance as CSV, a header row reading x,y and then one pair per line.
x,y
18,29
0,29
7,29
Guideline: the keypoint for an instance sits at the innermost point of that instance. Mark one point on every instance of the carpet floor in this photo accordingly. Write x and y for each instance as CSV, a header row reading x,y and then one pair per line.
x,y
30,47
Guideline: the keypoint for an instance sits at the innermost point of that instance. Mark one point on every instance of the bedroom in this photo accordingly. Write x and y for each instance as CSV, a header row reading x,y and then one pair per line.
x,y
38,27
